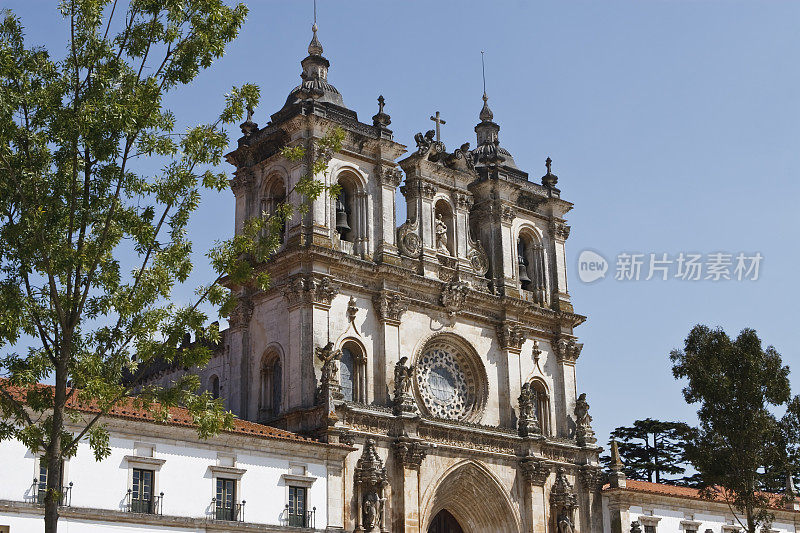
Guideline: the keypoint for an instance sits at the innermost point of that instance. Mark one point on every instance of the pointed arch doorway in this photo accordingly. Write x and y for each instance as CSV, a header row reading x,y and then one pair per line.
x,y
444,522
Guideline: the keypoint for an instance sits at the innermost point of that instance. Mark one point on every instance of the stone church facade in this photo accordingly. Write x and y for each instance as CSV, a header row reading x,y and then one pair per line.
x,y
441,347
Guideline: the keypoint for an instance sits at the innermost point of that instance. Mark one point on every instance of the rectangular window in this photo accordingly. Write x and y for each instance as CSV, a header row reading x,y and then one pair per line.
x,y
142,491
42,480
297,507
649,529
226,499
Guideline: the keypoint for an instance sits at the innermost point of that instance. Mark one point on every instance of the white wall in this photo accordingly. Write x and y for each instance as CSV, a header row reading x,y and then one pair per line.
x,y
185,477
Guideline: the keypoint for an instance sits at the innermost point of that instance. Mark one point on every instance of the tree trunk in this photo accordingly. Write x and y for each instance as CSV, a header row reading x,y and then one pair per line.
x,y
54,460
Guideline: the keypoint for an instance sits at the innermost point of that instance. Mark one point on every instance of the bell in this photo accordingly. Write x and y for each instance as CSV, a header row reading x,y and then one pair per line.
x,y
341,218
523,268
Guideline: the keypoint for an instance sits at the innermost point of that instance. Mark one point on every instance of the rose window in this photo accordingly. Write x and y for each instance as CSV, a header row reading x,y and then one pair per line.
x,y
446,381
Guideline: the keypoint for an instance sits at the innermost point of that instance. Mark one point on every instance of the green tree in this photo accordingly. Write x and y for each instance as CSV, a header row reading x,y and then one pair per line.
x,y
653,450
736,383
92,240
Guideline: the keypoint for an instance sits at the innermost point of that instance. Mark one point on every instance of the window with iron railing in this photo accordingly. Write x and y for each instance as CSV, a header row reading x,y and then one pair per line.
x,y
225,504
297,514
141,498
40,485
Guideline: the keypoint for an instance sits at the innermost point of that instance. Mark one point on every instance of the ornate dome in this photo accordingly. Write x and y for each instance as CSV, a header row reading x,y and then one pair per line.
x,y
315,77
450,380
489,150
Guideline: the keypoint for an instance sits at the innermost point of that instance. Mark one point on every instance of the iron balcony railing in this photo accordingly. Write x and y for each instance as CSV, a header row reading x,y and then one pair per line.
x,y
301,518
153,505
40,489
233,513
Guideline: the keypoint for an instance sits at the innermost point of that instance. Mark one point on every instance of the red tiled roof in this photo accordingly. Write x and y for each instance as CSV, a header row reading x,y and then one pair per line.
x,y
635,485
178,416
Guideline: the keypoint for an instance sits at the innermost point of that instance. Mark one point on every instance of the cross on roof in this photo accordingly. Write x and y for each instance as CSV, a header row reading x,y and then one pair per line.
x,y
439,121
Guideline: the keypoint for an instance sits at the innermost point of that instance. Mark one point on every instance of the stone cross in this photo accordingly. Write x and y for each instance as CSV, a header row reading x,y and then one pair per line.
x,y
439,121
547,163
381,103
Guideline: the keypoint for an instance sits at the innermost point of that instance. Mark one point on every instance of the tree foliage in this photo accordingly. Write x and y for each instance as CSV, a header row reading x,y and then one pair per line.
x,y
654,450
92,240
736,383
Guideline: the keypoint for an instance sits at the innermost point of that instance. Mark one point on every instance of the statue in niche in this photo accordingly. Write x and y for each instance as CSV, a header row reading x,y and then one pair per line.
x,y
371,507
565,524
441,235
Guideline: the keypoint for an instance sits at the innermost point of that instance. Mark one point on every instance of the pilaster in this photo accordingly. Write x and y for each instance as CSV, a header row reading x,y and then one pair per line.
x,y
409,455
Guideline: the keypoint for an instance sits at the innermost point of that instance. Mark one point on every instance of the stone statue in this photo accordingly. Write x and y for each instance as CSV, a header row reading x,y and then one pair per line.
x,y
441,235
402,377
403,401
584,434
371,511
330,363
424,142
528,422
565,524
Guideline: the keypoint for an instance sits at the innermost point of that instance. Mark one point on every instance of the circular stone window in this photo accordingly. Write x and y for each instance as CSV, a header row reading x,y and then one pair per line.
x,y
449,381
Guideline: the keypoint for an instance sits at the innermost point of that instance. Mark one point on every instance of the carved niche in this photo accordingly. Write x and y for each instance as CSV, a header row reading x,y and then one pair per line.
x,y
563,502
370,482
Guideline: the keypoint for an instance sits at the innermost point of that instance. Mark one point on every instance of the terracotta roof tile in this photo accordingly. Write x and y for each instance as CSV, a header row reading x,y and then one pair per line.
x,y
178,416
635,485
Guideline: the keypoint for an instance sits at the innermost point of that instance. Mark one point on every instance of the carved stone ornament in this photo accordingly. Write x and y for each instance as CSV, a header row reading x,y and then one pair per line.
x,y
370,481
636,527
461,159
242,313
511,336
567,350
403,399
507,214
390,307
528,423
478,259
454,296
329,390
352,311
559,229
409,452
535,470
391,176
310,289
529,201
408,241
592,477
584,434
242,180
563,501
428,146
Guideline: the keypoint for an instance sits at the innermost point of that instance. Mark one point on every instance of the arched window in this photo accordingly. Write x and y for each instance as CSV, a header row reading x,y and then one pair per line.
x,y
352,373
274,195
269,399
542,406
444,229
213,386
530,266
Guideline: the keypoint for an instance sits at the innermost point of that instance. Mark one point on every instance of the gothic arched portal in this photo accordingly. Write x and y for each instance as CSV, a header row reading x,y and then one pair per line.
x,y
444,522
474,498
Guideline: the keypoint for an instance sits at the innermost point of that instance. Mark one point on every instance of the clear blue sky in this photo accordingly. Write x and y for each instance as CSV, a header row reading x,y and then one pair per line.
x,y
673,126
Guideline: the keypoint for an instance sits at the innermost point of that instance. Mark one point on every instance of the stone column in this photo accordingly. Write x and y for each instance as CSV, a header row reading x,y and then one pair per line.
x,y
389,306
409,454
567,351
241,321
536,511
591,508
335,486
385,247
620,516
511,337
559,232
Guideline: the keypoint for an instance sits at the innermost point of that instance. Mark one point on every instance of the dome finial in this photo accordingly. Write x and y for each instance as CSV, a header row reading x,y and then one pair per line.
x,y
486,114
315,47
